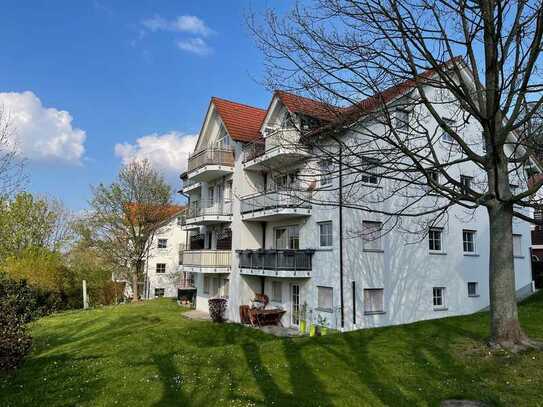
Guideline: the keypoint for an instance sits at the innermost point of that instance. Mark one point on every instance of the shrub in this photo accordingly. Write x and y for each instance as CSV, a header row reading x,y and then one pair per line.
x,y
17,307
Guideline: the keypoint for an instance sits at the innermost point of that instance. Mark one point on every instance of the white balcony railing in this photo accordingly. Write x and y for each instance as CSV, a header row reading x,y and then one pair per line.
x,y
276,200
207,258
288,139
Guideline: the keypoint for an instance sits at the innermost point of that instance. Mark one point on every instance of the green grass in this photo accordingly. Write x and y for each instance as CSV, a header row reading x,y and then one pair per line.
x,y
148,355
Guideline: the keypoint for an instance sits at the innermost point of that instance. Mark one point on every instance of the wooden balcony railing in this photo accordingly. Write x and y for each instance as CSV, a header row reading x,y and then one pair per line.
x,y
207,258
275,200
223,156
276,259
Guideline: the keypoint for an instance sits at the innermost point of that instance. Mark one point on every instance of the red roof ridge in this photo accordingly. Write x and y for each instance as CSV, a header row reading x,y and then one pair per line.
x,y
237,103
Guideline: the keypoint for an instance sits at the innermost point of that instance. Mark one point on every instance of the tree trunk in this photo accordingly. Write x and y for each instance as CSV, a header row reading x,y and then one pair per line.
x,y
505,326
135,297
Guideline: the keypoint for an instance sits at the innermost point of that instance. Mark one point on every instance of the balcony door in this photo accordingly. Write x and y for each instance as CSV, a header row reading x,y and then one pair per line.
x,y
287,237
295,304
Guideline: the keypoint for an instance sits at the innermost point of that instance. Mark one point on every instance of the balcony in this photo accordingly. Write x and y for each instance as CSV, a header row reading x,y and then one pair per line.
x,y
186,281
280,147
191,185
209,164
209,214
276,205
276,263
207,261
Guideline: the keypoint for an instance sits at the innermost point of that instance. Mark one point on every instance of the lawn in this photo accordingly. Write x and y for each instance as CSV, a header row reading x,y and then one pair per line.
x,y
148,355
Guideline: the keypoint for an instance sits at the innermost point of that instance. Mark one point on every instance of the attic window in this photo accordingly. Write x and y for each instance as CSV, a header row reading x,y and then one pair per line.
x,y
287,121
223,141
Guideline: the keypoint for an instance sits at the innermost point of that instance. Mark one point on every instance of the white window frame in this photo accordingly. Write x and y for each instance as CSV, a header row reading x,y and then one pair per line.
x,y
328,237
466,182
465,242
371,177
476,285
159,241
290,237
160,264
277,291
518,253
439,292
446,137
372,311
441,250
370,244
325,167
329,305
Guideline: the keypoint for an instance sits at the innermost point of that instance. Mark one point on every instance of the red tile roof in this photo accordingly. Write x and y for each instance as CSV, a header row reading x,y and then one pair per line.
x,y
309,107
242,122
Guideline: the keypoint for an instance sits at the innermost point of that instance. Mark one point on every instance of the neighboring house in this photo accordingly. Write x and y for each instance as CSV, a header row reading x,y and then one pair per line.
x,y
163,274
245,237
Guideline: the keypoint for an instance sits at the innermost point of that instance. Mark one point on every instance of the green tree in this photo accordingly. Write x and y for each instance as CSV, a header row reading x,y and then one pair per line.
x,y
126,214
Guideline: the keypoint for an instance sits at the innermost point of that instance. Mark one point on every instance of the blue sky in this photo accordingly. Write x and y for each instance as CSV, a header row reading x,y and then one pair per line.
x,y
135,79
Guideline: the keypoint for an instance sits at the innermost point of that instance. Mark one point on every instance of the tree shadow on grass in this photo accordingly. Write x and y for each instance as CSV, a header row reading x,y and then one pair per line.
x,y
172,382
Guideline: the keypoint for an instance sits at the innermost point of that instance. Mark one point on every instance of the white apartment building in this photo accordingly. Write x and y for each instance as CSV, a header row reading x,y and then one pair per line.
x,y
246,237
163,272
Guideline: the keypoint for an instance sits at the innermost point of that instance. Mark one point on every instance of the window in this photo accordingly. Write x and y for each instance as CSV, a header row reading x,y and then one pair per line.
x,y
466,184
162,243
402,120
223,141
369,171
325,172
374,301
468,238
435,240
161,268
325,229
159,292
446,137
517,245
210,196
324,298
439,297
473,289
287,237
277,291
206,284
372,235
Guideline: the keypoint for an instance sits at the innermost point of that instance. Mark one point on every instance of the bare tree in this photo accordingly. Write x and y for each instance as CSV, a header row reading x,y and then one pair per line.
x,y
11,163
437,98
126,214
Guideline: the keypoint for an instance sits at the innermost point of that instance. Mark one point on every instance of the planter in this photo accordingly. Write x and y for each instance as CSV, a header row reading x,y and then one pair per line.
x,y
324,330
217,306
312,330
302,326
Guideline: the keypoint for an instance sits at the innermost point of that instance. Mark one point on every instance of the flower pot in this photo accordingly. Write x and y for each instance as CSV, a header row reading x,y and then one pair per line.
x,y
324,330
302,326
312,330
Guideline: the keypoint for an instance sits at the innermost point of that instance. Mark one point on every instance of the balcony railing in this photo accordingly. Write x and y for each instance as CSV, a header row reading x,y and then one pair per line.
x,y
276,259
207,258
186,280
223,156
276,200
286,138
218,208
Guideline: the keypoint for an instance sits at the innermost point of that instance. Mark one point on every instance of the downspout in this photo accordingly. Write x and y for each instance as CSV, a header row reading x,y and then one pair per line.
x,y
341,236
263,279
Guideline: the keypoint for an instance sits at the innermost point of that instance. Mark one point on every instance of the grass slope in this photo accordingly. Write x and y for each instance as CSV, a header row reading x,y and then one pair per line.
x,y
148,355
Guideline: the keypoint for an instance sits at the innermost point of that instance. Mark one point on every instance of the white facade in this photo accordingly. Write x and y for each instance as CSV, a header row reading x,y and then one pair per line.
x,y
394,279
163,273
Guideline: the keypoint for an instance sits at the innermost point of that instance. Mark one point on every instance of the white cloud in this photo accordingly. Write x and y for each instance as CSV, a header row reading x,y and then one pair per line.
x,y
167,153
186,24
41,133
195,45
